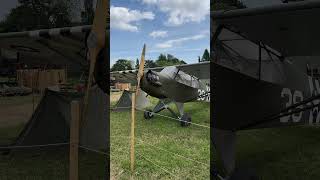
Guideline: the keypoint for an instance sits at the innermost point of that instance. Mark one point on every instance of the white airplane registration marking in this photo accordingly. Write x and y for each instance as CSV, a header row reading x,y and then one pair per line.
x,y
295,96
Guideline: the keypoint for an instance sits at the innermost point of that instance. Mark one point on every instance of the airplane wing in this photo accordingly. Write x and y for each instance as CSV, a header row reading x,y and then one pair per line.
x,y
57,46
292,29
199,70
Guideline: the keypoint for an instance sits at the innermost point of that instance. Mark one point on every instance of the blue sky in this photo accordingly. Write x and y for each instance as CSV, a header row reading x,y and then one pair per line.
x,y
179,27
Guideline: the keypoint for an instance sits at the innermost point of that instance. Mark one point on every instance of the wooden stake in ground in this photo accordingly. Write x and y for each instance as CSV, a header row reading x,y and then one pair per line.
x,y
132,133
74,140
134,95
133,99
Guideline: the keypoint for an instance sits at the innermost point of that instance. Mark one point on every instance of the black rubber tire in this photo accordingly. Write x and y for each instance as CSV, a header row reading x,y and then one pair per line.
x,y
185,120
148,114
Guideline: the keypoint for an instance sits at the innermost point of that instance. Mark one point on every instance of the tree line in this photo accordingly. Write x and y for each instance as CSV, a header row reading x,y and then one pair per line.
x,y
44,14
161,61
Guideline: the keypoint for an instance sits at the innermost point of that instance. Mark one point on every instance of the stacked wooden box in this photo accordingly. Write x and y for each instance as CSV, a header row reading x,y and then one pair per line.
x,y
39,79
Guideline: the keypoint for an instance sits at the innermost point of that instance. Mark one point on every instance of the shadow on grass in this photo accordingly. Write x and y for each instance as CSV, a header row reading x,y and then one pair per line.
x,y
280,153
47,163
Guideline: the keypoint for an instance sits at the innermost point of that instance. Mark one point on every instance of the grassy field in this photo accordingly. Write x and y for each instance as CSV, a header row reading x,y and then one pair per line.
x,y
156,139
289,153
52,163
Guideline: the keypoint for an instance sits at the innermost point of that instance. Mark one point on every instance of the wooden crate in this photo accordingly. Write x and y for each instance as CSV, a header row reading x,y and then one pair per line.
x,y
123,86
40,79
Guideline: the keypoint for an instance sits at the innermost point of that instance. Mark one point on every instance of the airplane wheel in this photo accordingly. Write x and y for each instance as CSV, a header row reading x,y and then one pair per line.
x,y
185,120
148,114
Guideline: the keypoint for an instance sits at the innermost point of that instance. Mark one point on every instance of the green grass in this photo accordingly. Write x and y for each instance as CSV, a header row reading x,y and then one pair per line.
x,y
192,142
47,163
16,100
9,134
52,163
288,153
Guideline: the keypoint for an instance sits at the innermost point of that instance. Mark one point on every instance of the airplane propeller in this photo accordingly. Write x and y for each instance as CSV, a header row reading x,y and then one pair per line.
x,y
141,68
96,42
141,97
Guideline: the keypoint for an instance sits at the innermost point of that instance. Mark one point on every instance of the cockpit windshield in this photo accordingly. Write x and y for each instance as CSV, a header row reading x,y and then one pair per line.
x,y
181,77
257,60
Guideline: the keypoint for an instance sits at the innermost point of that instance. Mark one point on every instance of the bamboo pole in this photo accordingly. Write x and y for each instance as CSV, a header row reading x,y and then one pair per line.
x,y
132,133
74,141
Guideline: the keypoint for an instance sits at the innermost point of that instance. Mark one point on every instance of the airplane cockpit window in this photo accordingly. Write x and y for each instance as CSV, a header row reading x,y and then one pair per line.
x,y
259,61
181,77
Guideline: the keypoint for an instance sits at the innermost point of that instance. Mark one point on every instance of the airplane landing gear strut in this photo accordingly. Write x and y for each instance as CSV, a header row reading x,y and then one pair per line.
x,y
184,118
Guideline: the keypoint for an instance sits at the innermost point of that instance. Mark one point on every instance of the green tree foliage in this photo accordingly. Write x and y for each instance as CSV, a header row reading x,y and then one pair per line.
x,y
163,60
137,64
88,14
168,60
205,56
162,57
37,14
122,65
150,64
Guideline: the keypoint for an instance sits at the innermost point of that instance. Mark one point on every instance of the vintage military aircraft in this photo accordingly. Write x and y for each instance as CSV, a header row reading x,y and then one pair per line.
x,y
265,72
173,84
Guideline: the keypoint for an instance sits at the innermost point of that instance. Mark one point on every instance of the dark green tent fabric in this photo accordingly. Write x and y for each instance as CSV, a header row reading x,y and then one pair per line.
x,y
124,103
50,123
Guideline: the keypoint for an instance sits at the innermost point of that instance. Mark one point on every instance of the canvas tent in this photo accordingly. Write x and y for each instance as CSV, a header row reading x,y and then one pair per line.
x,y
125,102
50,122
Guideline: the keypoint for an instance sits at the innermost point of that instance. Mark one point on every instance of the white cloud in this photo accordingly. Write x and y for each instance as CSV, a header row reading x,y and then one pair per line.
x,y
174,42
160,34
123,18
149,1
158,50
182,11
